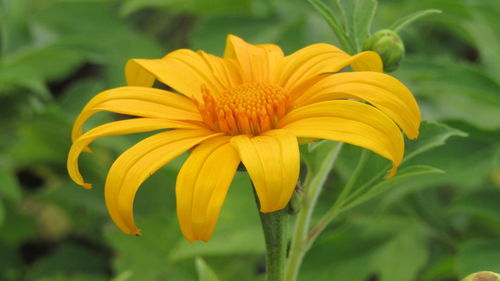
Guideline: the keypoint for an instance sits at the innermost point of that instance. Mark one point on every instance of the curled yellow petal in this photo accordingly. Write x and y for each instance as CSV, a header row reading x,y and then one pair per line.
x,y
138,101
139,162
202,186
317,59
122,127
379,89
351,122
273,163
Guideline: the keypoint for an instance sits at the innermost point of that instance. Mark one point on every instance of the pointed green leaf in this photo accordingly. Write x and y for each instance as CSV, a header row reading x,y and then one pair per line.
x,y
403,176
404,21
358,16
432,134
205,273
331,19
371,182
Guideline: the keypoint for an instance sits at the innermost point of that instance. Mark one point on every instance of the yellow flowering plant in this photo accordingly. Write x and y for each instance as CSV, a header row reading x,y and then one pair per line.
x,y
253,106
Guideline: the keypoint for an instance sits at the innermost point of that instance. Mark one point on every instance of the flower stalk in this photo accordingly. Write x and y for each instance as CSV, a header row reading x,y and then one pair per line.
x,y
275,227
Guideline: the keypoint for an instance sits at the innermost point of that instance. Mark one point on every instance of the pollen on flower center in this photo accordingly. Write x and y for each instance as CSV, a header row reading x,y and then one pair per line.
x,y
249,108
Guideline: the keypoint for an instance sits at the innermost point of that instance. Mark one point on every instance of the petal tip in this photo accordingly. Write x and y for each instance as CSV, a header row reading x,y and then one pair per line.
x,y
413,135
392,172
137,232
86,185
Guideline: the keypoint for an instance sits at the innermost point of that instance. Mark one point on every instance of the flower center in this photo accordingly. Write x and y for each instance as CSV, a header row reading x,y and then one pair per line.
x,y
250,108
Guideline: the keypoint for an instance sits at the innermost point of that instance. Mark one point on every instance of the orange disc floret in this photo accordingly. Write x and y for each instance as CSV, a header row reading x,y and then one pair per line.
x,y
249,108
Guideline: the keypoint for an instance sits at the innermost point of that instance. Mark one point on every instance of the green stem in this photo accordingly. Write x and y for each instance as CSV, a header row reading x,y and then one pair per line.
x,y
313,186
330,19
336,209
275,226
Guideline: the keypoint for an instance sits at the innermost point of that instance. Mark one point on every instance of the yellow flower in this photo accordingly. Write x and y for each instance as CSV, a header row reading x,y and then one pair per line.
x,y
250,106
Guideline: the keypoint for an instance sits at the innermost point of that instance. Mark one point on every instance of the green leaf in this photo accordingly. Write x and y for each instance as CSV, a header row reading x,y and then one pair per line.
x,y
235,240
130,6
146,257
477,154
405,175
12,81
358,15
78,94
453,90
483,203
331,19
42,139
351,259
371,182
14,31
205,273
398,25
285,28
99,37
63,58
478,255
198,7
402,258
432,134
484,30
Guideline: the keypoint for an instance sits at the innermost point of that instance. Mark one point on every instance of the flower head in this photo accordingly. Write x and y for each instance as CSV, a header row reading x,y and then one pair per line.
x,y
250,106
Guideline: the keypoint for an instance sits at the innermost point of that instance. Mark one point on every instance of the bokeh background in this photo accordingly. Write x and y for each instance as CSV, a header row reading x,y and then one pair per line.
x,y
55,55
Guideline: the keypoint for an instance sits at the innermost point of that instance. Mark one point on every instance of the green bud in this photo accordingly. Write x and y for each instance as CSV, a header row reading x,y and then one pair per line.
x,y
483,276
389,46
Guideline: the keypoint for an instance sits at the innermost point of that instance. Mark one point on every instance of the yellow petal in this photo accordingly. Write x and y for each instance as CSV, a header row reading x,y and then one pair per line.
x,y
379,89
183,70
138,101
257,62
351,122
226,71
273,163
136,164
202,185
317,59
274,54
123,127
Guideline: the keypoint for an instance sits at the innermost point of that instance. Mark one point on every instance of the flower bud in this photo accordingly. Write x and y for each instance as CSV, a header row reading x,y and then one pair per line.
x,y
389,46
483,276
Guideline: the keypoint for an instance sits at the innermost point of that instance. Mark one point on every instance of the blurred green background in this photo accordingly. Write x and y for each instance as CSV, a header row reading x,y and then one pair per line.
x,y
55,55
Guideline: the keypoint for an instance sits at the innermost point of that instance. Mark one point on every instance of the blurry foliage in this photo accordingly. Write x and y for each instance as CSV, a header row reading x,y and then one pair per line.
x,y
55,55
